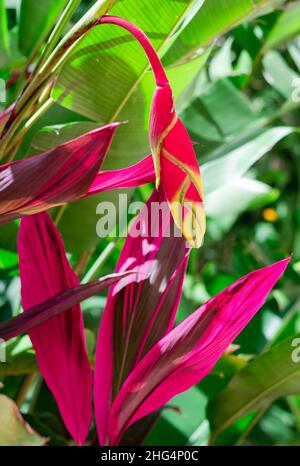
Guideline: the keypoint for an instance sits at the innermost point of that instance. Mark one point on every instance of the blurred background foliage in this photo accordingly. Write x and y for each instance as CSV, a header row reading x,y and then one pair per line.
x,y
235,69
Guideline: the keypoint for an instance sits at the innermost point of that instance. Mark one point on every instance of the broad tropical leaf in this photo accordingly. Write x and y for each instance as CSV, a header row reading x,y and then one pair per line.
x,y
188,353
271,375
213,19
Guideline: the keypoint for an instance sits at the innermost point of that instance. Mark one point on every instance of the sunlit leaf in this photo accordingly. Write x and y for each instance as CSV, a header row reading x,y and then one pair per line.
x,y
14,431
271,375
225,204
36,20
220,111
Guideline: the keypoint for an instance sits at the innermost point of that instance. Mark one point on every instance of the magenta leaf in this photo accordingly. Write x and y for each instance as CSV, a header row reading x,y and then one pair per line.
x,y
59,343
188,353
175,161
137,315
129,177
56,177
49,287
59,303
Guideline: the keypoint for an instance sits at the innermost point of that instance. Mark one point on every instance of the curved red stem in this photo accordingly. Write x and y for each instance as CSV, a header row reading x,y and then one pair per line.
x,y
158,70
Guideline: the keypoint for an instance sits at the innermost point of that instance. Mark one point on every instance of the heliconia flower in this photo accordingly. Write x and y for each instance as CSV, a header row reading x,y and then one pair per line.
x,y
187,353
56,177
139,311
174,158
59,343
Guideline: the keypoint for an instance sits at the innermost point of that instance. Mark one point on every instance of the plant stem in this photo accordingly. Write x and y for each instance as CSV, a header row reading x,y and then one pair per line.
x,y
35,392
252,424
28,381
295,409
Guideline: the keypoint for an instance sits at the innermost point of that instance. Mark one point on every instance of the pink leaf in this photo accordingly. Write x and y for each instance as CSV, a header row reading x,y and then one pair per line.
x,y
189,352
56,177
51,307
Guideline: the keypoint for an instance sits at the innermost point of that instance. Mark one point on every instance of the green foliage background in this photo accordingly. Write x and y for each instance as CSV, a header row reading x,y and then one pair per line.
x,y
235,69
